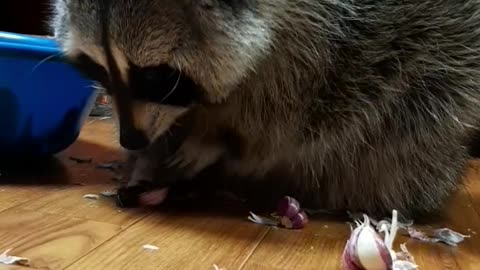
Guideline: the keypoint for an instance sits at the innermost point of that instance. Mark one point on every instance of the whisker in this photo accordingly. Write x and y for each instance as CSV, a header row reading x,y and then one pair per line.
x,y
43,61
173,89
97,86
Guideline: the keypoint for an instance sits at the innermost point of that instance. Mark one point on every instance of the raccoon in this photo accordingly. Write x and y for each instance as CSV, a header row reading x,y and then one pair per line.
x,y
355,105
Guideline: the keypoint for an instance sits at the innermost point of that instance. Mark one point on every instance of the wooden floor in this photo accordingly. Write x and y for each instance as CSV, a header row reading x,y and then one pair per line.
x,y
43,216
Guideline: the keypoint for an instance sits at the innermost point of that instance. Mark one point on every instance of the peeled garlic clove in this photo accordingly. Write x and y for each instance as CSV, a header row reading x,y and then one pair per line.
x,y
288,207
366,249
372,252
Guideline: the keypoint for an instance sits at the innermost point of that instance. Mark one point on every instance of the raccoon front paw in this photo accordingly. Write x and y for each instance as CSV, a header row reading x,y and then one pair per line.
x,y
153,197
142,194
129,196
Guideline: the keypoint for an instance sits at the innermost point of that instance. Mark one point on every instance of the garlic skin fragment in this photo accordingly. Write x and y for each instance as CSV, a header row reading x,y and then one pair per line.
x,y
449,236
404,265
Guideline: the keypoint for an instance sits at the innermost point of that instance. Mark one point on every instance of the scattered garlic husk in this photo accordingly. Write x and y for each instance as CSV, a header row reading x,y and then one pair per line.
x,y
109,193
419,235
150,247
444,235
449,236
404,254
112,166
262,220
215,267
91,196
403,260
404,265
366,250
13,260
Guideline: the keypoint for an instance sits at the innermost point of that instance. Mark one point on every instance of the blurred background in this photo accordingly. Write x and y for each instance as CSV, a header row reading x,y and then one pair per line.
x,y
31,17
24,16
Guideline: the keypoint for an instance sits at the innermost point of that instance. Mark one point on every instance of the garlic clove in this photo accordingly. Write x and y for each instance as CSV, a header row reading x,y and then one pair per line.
x,y
371,251
366,249
347,258
297,222
288,207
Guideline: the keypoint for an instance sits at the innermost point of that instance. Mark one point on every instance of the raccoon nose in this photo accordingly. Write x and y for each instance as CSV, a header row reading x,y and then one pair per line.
x,y
133,139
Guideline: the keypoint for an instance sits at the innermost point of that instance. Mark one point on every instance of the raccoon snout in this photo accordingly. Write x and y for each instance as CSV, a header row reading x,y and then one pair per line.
x,y
133,139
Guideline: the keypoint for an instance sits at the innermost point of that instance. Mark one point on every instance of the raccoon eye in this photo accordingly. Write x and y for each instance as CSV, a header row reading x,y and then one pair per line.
x,y
90,69
157,76
162,84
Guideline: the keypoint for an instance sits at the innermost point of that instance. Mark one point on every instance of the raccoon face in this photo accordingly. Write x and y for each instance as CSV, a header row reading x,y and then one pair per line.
x,y
158,59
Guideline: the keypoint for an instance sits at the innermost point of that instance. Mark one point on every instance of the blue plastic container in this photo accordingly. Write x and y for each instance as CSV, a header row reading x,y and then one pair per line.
x,y
43,100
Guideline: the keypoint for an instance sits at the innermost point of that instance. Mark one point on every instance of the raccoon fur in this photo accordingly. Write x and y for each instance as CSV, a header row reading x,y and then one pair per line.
x,y
356,105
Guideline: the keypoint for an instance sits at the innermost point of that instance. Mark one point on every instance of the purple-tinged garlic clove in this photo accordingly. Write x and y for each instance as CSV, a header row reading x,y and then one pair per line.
x,y
366,249
288,207
348,259
298,221
372,252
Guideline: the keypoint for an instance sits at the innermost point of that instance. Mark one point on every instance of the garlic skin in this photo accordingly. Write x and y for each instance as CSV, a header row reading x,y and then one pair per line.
x,y
404,265
449,237
347,258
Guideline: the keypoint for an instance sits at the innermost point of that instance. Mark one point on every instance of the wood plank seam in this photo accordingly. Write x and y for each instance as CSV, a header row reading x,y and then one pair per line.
x,y
242,265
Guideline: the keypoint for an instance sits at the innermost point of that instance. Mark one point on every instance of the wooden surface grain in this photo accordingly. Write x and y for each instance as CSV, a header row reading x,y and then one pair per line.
x,y
43,216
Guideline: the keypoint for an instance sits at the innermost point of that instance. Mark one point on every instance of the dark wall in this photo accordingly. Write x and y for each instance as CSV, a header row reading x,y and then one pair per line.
x,y
24,16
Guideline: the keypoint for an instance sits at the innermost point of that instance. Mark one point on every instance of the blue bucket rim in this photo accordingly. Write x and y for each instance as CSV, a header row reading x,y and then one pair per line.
x,y
34,45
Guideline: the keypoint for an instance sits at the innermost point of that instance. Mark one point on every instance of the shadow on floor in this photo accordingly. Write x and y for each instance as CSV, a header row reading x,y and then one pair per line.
x,y
55,170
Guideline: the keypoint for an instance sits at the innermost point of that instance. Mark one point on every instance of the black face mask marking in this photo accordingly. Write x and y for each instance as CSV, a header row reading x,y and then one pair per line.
x,y
91,70
163,85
